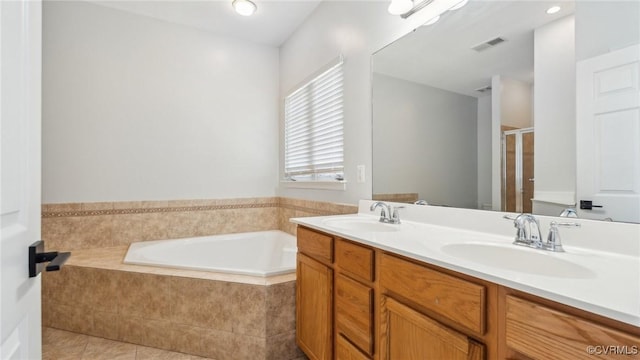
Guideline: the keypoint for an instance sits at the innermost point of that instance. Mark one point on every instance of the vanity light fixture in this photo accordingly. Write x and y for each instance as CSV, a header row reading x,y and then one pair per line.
x,y
406,8
399,7
432,21
459,5
553,10
244,7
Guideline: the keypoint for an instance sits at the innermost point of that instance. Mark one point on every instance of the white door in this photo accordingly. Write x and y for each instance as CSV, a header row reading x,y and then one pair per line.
x,y
608,135
20,68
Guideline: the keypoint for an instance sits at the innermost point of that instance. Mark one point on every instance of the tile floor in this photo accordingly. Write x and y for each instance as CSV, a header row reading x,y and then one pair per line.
x,y
65,345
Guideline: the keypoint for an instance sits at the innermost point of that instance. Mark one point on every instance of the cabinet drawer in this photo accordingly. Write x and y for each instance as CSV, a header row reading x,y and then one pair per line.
x,y
354,312
346,351
316,245
544,333
355,259
461,301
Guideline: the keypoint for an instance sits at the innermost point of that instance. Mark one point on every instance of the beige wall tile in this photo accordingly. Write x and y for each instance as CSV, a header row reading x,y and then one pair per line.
x,y
154,226
180,203
126,229
120,205
202,303
186,338
83,287
283,346
97,206
280,310
70,318
95,231
154,204
105,325
147,332
145,295
249,309
61,233
102,289
63,207
183,224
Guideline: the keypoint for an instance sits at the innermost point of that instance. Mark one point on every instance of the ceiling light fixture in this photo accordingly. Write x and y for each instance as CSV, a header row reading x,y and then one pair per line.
x,y
244,7
553,10
459,5
399,7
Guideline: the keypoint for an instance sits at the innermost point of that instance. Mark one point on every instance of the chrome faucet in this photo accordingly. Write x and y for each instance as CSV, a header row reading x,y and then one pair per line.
x,y
388,214
528,233
569,212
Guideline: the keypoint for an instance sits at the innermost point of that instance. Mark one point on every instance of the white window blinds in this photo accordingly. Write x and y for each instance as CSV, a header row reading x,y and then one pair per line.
x,y
314,137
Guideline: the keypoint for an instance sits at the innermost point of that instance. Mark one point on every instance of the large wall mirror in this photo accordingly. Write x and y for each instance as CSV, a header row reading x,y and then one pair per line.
x,y
501,105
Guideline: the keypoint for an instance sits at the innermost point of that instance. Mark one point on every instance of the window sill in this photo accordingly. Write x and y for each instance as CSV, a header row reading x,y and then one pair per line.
x,y
318,185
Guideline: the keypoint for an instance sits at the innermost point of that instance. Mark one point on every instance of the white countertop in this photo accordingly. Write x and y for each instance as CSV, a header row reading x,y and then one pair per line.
x,y
604,283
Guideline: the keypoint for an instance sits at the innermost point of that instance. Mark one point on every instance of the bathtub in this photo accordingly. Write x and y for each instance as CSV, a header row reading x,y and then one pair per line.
x,y
262,253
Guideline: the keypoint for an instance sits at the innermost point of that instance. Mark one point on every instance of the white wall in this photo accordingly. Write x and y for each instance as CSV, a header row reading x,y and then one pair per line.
x,y
356,29
516,106
554,111
604,26
412,120
139,109
484,153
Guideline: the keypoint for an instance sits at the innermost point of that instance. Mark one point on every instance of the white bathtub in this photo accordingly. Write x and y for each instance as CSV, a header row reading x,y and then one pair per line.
x,y
262,253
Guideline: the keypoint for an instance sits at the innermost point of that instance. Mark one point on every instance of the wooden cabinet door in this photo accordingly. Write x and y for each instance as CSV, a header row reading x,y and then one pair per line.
x,y
314,299
407,334
346,351
540,332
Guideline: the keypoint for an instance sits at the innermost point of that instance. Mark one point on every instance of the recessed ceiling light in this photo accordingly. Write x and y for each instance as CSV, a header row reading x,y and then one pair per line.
x,y
244,7
553,10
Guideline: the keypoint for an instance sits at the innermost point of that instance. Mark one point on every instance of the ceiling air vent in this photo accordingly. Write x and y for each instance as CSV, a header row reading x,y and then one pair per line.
x,y
483,89
488,44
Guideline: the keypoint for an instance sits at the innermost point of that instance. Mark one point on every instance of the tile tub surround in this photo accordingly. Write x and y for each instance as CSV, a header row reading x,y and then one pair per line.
x,y
176,310
212,315
76,226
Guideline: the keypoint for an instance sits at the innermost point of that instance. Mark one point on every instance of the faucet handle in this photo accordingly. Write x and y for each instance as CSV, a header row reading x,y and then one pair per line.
x,y
395,217
553,239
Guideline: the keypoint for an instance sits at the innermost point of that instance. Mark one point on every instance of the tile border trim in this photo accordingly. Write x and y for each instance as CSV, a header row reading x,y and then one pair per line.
x,y
308,206
50,214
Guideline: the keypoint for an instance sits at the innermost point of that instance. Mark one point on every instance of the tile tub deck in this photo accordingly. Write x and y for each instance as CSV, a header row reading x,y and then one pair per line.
x,y
207,314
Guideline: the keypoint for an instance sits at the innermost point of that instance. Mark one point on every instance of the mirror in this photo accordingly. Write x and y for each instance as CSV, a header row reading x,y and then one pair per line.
x,y
479,110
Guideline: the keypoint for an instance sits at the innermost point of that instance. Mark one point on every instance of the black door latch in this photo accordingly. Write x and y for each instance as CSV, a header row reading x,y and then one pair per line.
x,y
37,257
588,205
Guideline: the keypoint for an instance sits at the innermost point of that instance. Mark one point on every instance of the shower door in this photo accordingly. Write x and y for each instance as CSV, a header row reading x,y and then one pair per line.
x,y
517,170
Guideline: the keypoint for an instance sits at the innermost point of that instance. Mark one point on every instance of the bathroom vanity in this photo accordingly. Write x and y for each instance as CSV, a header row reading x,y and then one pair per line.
x,y
367,290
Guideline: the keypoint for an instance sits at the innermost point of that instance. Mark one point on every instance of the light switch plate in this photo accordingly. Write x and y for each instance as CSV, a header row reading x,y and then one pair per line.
x,y
361,174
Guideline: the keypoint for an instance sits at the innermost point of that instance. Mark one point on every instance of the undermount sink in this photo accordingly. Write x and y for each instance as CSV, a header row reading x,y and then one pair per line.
x,y
359,224
513,257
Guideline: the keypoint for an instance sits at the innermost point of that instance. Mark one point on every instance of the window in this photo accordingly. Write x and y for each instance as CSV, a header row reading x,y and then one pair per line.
x,y
314,137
